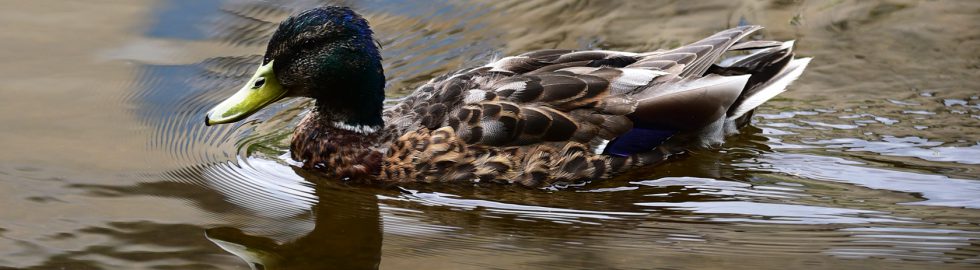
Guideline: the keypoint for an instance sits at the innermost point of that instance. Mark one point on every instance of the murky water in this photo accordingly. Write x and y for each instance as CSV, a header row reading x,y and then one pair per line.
x,y
871,160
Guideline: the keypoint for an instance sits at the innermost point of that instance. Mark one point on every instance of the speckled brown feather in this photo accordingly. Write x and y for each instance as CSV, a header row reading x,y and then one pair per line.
x,y
339,153
434,156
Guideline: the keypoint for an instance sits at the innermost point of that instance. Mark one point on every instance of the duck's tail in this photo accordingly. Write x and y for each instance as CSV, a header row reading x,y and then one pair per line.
x,y
771,71
769,68
707,99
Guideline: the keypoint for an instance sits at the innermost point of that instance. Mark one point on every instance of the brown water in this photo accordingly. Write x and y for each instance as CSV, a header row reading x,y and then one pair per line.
x,y
870,161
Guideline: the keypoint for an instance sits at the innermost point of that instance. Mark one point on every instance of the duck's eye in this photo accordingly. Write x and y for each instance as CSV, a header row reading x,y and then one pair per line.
x,y
259,83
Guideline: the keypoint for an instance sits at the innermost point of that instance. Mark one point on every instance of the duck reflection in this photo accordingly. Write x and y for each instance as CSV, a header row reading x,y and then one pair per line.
x,y
347,235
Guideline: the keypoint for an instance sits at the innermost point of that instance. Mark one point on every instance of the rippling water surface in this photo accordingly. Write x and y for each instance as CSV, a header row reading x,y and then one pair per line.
x,y
871,160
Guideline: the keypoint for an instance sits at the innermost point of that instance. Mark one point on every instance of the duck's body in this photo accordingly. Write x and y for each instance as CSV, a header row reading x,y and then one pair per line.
x,y
537,119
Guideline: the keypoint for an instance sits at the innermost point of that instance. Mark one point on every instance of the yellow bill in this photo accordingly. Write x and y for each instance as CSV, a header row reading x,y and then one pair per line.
x,y
261,90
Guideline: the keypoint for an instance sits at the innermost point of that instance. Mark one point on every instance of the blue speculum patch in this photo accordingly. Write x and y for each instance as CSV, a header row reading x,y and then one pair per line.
x,y
637,140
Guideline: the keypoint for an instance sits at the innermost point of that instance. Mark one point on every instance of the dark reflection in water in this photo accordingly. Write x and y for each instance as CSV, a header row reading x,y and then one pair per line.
x,y
346,235
869,161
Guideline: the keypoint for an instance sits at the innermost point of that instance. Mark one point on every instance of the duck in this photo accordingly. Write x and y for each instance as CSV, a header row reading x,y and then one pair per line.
x,y
544,118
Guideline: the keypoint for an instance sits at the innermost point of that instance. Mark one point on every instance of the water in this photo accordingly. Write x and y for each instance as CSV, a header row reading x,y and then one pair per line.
x,y
869,161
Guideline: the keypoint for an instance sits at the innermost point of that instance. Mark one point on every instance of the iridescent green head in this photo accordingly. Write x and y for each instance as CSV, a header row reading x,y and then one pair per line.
x,y
326,53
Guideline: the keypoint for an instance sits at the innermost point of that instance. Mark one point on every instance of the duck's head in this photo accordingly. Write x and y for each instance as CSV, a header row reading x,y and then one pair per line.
x,y
327,54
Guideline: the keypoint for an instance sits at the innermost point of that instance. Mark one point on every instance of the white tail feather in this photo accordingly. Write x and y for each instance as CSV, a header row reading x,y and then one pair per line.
x,y
774,87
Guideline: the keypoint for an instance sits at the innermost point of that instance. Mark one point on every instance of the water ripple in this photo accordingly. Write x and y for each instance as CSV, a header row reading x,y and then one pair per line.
x,y
778,213
937,190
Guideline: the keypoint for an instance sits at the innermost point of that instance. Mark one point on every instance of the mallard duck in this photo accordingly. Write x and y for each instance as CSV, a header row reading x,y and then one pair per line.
x,y
542,118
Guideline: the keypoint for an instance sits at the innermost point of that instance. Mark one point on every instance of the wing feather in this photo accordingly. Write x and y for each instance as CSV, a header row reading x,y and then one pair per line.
x,y
697,57
583,96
